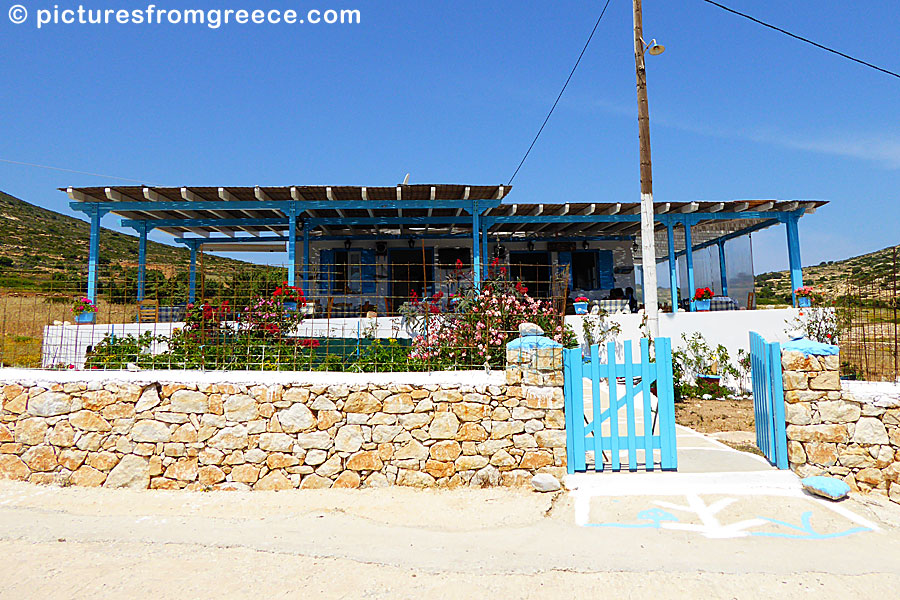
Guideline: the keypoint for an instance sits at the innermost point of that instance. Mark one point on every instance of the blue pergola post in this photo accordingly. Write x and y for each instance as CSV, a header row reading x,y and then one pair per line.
x,y
292,245
476,246
673,267
485,254
689,256
306,258
723,270
142,260
793,243
94,254
192,280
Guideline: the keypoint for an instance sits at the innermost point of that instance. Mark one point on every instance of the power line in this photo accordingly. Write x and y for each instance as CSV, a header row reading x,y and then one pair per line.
x,y
568,79
803,39
17,162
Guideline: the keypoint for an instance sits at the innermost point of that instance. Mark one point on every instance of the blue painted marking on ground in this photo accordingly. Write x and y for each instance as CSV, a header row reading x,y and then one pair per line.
x,y
809,533
654,517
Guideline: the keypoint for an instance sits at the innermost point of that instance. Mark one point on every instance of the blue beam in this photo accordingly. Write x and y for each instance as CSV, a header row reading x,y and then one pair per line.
x,y
793,242
485,255
690,263
192,281
692,218
450,220
673,267
476,246
292,246
227,240
154,223
94,253
306,259
142,260
723,272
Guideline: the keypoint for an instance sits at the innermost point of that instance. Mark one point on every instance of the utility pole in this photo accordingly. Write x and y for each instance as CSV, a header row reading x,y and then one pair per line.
x,y
648,236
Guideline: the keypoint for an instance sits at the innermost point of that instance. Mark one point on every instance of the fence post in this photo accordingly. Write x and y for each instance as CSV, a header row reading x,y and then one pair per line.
x,y
779,436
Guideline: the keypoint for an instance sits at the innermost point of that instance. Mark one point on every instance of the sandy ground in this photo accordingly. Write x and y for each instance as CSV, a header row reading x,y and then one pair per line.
x,y
713,415
404,543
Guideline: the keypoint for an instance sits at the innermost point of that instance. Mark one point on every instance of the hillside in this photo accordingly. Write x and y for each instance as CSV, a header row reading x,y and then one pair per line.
x,y
34,238
832,277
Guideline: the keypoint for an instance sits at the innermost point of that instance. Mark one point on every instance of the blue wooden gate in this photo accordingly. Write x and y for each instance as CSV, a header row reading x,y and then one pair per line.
x,y
768,399
648,430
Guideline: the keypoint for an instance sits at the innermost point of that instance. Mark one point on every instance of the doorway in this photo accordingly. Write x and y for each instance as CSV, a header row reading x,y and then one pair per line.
x,y
410,270
533,270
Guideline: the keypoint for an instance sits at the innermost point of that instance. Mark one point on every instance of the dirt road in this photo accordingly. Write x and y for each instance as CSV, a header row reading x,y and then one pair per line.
x,y
403,543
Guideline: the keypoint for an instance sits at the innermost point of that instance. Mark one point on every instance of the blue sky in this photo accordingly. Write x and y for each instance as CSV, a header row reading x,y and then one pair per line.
x,y
454,92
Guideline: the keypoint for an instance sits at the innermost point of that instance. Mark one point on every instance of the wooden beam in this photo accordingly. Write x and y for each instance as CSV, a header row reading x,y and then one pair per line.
x,y
114,195
80,196
690,207
261,195
151,195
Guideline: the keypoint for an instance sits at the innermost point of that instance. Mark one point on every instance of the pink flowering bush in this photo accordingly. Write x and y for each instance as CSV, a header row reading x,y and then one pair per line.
x,y
484,322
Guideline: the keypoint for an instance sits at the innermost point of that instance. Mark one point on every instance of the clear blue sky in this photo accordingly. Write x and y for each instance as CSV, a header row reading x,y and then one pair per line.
x,y
454,92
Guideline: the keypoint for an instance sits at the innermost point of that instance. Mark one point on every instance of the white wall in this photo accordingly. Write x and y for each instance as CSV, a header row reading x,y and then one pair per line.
x,y
730,328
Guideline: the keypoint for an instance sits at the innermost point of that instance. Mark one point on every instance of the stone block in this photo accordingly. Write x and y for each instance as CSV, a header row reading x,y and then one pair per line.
x,y
364,461
794,396
825,381
818,433
131,472
471,411
870,430
240,408
839,411
796,453
821,453
795,380
444,426
362,402
50,404
799,413
544,397
188,401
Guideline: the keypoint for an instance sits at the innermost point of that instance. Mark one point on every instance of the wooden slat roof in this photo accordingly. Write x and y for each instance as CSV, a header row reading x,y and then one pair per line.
x,y
370,197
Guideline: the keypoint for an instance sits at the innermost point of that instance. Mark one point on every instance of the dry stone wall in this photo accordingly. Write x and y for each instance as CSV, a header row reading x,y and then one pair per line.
x,y
833,431
177,434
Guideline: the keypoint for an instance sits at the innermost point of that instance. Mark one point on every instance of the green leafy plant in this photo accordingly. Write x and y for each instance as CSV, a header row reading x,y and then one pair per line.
x,y
695,359
821,324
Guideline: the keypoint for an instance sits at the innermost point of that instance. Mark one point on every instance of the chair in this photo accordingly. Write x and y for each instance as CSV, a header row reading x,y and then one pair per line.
x,y
148,311
751,300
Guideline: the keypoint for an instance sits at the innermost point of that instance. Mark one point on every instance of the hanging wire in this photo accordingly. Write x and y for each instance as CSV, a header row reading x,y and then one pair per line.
x,y
568,79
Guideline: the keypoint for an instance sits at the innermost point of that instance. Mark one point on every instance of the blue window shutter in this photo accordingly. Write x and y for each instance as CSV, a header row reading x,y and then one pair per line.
x,y
367,270
605,277
563,259
326,271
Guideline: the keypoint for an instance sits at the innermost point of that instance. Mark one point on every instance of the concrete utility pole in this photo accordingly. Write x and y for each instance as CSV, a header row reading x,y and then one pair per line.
x,y
648,236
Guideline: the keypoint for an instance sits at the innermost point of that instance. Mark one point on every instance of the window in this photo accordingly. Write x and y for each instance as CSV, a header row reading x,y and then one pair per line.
x,y
347,272
584,270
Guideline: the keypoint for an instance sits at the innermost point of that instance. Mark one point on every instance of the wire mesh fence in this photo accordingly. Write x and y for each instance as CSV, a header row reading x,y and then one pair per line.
x,y
870,346
343,316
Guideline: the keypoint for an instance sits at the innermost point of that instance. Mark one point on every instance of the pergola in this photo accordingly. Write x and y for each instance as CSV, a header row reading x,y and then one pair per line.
x,y
263,218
